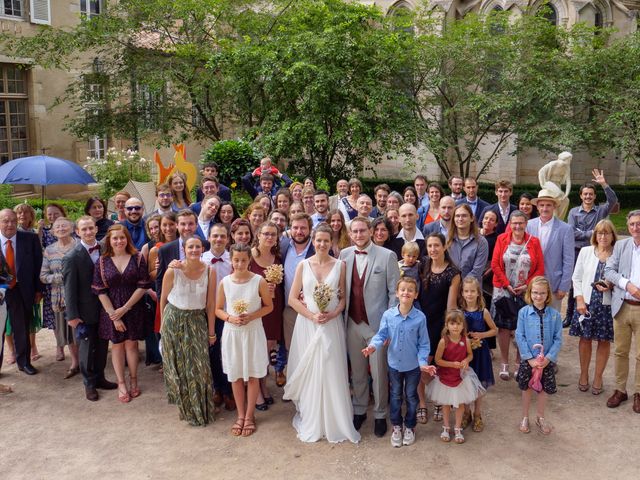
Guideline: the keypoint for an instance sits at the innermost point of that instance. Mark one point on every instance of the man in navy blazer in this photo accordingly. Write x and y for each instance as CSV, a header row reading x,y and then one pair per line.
x,y
187,226
476,203
503,208
557,242
26,289
293,250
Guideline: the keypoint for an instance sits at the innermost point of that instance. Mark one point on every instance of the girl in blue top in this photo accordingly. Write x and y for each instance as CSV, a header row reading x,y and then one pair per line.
x,y
538,324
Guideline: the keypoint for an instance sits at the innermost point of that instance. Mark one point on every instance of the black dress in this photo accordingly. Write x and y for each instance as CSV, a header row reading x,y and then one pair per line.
x,y
433,301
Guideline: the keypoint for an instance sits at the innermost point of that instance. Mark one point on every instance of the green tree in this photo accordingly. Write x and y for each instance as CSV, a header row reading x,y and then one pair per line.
x,y
483,83
327,70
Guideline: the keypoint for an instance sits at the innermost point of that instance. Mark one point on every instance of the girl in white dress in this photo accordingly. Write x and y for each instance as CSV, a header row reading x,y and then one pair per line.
x,y
243,299
318,380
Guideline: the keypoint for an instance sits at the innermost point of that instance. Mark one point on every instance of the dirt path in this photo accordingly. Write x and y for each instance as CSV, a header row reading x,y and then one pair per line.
x,y
49,431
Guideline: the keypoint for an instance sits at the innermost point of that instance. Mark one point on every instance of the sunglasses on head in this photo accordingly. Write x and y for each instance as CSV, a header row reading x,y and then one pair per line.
x,y
133,208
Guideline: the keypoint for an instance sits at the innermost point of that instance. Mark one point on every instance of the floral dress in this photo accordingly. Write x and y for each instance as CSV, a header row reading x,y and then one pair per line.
x,y
599,326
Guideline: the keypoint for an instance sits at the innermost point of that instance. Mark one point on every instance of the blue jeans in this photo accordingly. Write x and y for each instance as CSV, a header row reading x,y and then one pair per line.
x,y
409,382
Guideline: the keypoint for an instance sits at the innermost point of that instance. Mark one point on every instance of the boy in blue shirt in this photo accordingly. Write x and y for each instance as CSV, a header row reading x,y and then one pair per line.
x,y
405,328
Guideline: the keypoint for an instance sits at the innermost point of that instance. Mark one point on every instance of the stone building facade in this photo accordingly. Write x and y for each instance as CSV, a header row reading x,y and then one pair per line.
x,y
29,126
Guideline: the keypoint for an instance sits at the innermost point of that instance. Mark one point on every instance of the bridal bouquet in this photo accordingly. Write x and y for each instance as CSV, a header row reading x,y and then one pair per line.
x,y
322,294
240,306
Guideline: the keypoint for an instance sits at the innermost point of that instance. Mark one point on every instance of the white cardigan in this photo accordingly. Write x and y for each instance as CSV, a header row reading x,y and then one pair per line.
x,y
584,275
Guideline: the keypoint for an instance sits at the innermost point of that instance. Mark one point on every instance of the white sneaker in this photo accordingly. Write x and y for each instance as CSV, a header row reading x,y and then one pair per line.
x,y
409,437
396,436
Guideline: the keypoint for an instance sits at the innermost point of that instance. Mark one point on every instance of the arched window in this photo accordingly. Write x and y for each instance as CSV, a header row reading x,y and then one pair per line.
x,y
550,13
598,19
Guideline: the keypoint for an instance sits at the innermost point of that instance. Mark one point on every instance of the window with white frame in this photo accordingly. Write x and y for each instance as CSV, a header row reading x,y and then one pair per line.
x,y
11,8
14,106
97,147
90,8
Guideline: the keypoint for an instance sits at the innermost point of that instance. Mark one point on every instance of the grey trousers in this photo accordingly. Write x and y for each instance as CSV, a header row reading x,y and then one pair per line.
x,y
358,337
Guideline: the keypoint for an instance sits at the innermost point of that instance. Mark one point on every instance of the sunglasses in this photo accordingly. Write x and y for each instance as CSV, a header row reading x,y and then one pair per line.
x,y
133,208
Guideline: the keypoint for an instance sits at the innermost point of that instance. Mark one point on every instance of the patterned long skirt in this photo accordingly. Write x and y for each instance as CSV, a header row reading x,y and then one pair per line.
x,y
185,360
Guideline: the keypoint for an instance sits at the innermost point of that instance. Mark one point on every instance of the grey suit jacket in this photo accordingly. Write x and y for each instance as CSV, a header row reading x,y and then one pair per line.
x,y
558,253
619,267
77,272
379,283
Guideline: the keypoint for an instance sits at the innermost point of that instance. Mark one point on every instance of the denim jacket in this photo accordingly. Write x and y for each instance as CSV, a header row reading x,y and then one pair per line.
x,y
528,333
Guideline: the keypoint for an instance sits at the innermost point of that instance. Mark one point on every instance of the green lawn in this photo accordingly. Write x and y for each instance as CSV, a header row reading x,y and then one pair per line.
x,y
620,221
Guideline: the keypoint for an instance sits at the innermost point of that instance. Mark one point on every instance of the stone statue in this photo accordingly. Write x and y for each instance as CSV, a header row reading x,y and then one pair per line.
x,y
551,177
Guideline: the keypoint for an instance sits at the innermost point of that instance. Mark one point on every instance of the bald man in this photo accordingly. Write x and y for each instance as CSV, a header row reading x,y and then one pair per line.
x,y
409,231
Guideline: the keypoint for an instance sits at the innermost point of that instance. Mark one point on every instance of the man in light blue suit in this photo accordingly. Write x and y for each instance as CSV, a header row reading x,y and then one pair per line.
x,y
557,242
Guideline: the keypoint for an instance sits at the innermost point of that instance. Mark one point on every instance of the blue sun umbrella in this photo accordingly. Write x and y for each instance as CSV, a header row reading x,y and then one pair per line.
x,y
43,170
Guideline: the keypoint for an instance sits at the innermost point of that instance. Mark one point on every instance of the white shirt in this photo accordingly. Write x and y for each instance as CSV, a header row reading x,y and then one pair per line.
x,y
417,236
362,260
181,249
14,244
504,212
634,277
544,232
204,226
222,268
95,254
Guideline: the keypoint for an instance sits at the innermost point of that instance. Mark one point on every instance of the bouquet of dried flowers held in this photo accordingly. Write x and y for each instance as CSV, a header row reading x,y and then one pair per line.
x,y
240,306
322,295
274,273
475,343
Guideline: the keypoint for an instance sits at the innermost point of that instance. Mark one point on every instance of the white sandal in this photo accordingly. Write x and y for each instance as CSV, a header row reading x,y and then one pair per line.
x,y
504,373
444,436
524,425
459,438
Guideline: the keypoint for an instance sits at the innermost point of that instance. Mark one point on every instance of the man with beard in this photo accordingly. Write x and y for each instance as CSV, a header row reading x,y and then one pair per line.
x,y
133,211
442,224
292,251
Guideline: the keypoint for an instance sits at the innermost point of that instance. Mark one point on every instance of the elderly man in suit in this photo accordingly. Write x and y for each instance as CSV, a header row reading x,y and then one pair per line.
x,y
557,242
372,274
23,255
623,270
83,307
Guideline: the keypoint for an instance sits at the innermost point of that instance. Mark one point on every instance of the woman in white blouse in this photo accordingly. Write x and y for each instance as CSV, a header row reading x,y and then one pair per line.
x,y
592,319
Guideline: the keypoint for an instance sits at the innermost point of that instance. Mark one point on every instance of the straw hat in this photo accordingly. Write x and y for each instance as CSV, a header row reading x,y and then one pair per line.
x,y
545,194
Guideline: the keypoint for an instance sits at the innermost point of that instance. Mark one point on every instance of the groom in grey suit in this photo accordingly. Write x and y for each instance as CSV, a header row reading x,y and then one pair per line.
x,y
372,274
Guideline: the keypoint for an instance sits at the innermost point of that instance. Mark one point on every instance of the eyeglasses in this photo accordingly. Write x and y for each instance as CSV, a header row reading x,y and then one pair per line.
x,y
603,234
133,208
165,195
268,234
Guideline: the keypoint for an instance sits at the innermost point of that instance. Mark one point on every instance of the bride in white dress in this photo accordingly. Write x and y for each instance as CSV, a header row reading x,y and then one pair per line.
x,y
318,380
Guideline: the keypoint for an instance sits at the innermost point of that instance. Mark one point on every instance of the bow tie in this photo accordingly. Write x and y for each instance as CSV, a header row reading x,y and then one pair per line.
x,y
216,260
360,252
95,248
321,219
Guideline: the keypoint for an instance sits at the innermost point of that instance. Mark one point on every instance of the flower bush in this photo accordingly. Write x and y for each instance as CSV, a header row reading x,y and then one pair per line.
x,y
117,168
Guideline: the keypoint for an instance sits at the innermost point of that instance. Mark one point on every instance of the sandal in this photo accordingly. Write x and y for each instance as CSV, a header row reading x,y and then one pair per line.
x,y
59,354
583,387
478,424
273,357
123,397
249,427
504,372
236,430
466,419
11,358
72,372
524,425
596,390
135,391
422,415
35,356
437,413
444,436
544,427
458,437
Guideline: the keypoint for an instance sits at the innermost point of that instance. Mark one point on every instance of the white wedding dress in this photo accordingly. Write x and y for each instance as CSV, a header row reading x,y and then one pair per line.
x,y
318,380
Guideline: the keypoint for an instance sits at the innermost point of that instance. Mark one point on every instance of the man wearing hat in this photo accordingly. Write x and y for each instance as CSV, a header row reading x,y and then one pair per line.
x,y
557,242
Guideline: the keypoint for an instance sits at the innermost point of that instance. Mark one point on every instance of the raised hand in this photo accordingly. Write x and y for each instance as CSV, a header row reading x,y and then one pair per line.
x,y
598,176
